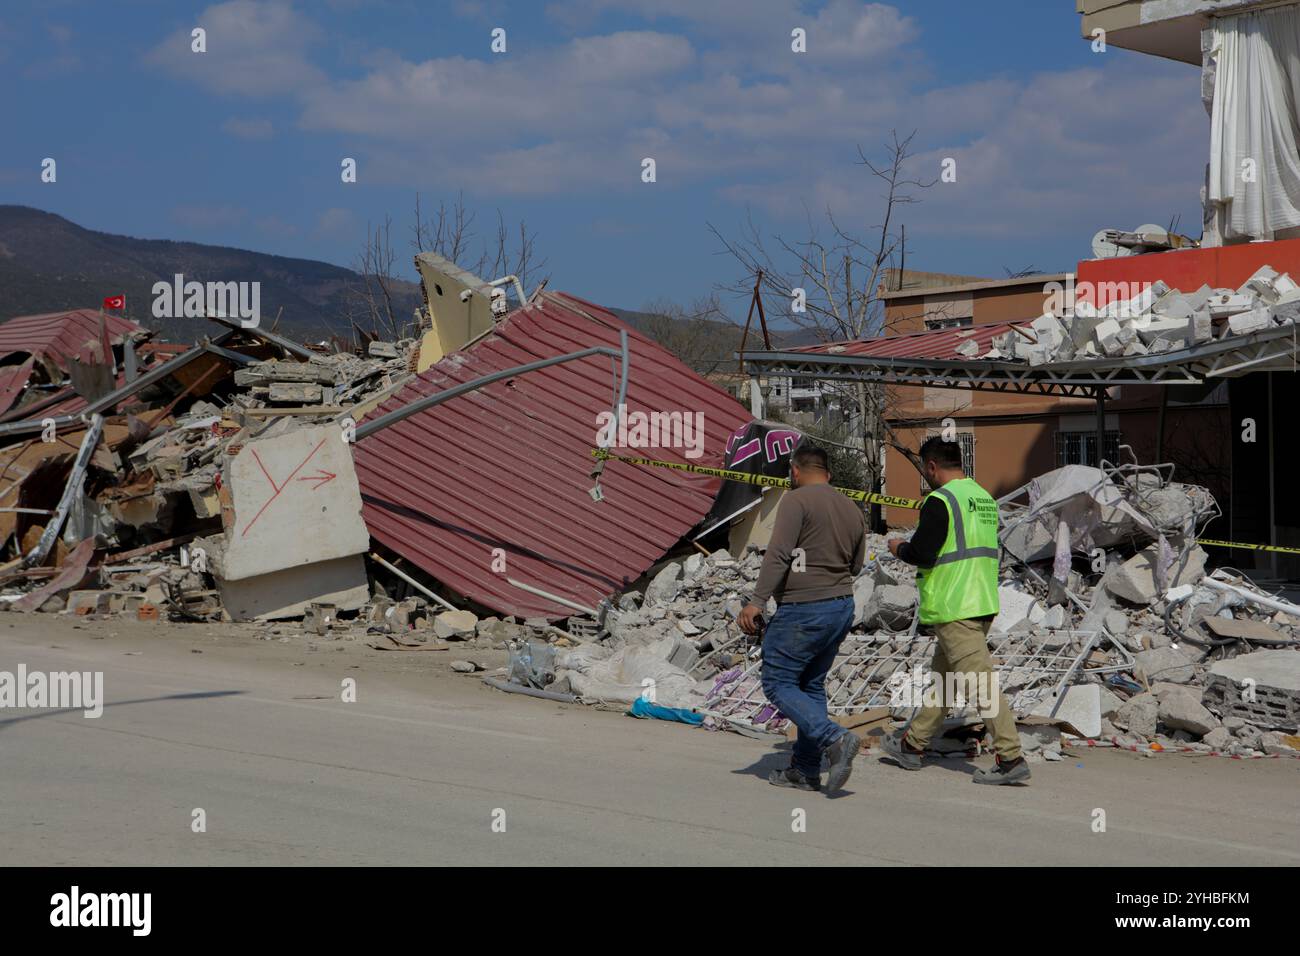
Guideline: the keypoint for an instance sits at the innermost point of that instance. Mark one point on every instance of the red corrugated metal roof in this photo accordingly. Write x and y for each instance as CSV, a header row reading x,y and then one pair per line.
x,y
60,336
13,378
940,344
507,466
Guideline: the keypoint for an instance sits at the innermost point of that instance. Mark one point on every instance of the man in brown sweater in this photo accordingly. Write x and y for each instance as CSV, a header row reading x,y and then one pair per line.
x,y
817,548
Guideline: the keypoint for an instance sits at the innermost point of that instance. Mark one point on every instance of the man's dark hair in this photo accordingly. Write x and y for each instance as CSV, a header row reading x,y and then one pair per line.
x,y
810,456
946,454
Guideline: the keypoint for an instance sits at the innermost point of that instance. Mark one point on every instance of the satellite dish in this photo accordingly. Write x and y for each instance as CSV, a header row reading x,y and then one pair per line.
x,y
1104,248
1113,243
1153,235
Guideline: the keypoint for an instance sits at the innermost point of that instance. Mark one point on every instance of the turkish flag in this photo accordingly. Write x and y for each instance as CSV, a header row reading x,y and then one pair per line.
x,y
115,302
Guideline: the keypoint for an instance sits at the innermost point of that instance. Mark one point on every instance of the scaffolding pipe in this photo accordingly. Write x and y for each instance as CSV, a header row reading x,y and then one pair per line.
x,y
423,404
412,582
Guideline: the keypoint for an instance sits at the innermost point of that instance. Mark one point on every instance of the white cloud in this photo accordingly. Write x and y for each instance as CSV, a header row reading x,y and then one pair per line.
x,y
334,221
1062,154
253,48
589,83
732,109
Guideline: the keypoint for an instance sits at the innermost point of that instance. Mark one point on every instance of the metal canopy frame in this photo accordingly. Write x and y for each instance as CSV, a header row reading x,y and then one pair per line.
x,y
1272,349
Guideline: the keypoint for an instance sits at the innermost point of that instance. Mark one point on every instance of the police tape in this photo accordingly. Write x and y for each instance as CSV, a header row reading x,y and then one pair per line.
x,y
866,497
1248,547
745,477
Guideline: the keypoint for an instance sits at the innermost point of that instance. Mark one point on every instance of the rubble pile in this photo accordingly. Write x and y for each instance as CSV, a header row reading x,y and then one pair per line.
x,y
1110,630
216,483
124,508
1159,319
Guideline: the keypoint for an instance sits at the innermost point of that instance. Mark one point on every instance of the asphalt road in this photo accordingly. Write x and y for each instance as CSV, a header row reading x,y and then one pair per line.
x,y
428,767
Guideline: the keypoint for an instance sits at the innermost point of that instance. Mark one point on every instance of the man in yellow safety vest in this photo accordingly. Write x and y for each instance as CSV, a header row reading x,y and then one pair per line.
x,y
955,549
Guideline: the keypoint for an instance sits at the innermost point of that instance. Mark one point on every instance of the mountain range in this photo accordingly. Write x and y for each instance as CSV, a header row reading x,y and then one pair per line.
x,y
48,263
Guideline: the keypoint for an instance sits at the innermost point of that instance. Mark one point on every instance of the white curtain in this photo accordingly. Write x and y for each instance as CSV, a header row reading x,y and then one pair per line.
x,y
1254,182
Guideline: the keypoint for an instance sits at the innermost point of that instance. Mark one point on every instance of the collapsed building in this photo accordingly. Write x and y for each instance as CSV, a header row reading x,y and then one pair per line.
x,y
442,488
1116,627
1136,645
253,478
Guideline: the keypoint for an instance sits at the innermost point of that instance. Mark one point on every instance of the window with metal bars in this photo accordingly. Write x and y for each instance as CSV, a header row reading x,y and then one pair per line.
x,y
946,323
1080,448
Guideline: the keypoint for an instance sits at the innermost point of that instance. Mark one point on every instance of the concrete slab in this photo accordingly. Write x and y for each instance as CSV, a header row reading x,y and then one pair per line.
x,y
289,592
1080,706
1135,579
296,502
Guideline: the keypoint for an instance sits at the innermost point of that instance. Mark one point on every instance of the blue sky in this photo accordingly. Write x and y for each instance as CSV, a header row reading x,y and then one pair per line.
x,y
241,145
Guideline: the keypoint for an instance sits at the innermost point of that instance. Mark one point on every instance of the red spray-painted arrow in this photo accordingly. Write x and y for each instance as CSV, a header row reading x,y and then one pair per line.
x,y
322,477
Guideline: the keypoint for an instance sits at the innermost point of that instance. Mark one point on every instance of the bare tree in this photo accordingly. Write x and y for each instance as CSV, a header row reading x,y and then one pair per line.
x,y
702,335
830,282
370,297
449,231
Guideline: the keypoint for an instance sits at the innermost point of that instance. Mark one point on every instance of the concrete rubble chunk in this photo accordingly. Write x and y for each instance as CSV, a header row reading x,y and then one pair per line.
x,y
1016,606
1139,715
1116,622
1270,287
1173,305
1280,745
894,605
494,630
665,587
1172,330
864,587
1056,618
1049,331
455,625
1135,580
1200,328
1108,702
1225,302
1080,706
1253,321
298,393
1107,335
1262,687
1164,664
1181,709
1219,738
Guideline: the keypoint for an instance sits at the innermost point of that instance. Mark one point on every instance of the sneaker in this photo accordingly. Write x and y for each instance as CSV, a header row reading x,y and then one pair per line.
x,y
841,754
1003,772
900,751
789,777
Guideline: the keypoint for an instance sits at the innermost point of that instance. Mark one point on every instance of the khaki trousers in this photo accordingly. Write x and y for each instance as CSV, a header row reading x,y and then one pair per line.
x,y
962,655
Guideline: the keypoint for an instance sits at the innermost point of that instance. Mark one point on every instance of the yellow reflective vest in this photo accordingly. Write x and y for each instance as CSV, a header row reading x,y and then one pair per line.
x,y
963,583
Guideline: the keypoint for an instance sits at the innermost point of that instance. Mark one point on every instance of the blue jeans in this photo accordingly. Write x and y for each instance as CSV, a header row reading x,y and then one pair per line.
x,y
798,651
